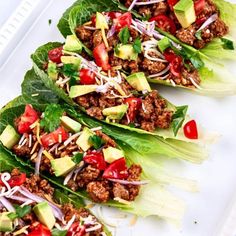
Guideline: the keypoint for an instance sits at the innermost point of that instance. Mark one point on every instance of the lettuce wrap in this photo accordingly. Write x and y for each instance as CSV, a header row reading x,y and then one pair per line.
x,y
197,70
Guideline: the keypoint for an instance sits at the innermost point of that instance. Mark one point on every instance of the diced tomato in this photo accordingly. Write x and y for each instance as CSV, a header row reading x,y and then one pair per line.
x,y
113,14
199,6
16,180
55,54
27,119
96,159
101,57
87,76
116,170
93,19
123,21
134,105
164,23
76,230
39,230
175,63
172,3
190,130
59,135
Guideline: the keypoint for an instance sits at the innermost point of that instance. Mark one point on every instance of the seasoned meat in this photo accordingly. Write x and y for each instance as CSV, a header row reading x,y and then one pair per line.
x,y
84,34
97,38
120,191
186,35
98,191
152,67
87,175
209,9
160,8
134,172
95,112
219,28
21,151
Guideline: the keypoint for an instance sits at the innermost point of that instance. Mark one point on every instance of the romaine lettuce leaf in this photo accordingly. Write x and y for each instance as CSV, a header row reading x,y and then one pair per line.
x,y
143,142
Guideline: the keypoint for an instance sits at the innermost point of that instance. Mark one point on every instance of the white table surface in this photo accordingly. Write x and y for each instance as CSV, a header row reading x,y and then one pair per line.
x,y
216,177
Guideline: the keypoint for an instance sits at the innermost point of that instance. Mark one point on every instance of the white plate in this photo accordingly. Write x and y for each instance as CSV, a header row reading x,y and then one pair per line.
x,y
207,211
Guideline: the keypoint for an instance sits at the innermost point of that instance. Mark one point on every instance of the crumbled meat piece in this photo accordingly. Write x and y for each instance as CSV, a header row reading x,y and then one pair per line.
x,y
164,120
38,186
29,218
112,41
69,211
84,34
105,102
83,101
152,67
219,28
109,141
209,9
97,38
134,172
95,112
22,151
98,191
87,175
72,185
160,8
186,75
186,35
133,33
120,191
145,11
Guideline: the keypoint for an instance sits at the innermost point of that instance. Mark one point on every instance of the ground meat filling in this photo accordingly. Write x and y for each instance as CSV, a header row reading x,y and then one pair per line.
x,y
93,38
42,188
89,177
215,30
101,190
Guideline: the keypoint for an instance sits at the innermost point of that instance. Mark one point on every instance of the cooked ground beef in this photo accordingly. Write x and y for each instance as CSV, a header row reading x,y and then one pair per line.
x,y
109,141
187,35
98,191
152,67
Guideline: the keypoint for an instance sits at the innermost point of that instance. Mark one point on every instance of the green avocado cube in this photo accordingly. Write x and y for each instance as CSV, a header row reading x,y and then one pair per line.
x,y
79,90
71,124
9,137
44,213
101,22
52,70
83,140
111,154
6,224
163,44
185,12
72,44
116,112
126,52
75,61
139,82
62,166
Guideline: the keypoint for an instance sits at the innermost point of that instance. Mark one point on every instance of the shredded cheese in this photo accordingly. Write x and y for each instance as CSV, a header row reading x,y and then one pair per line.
x,y
48,155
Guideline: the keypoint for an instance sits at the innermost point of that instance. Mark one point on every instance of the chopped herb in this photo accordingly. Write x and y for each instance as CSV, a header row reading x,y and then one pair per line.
x,y
49,21
73,81
116,49
51,119
70,71
178,118
77,158
132,125
96,141
137,45
20,212
57,232
146,17
124,35
198,35
196,61
227,44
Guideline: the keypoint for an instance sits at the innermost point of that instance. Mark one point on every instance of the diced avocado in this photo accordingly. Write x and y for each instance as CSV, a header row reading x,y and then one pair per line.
x,y
83,140
45,214
111,154
72,44
71,124
185,13
71,60
9,137
163,44
101,22
52,70
139,81
116,112
61,166
6,224
79,90
126,52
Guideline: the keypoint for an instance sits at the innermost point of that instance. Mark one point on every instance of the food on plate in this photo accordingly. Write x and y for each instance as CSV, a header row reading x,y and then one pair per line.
x,y
120,41
30,205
